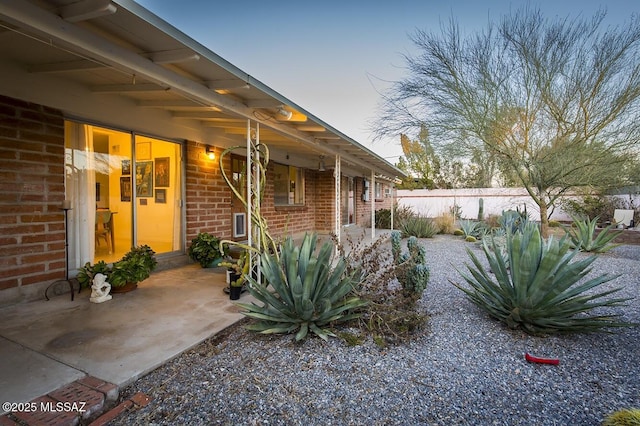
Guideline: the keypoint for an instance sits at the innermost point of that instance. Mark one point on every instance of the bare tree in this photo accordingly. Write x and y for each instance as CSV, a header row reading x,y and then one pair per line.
x,y
557,101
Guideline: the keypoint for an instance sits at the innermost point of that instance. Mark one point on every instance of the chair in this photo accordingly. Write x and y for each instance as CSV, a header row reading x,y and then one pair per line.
x,y
103,220
623,217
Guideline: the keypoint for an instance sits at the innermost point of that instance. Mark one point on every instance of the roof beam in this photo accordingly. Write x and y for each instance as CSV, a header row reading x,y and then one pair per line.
x,y
174,56
124,88
68,66
87,9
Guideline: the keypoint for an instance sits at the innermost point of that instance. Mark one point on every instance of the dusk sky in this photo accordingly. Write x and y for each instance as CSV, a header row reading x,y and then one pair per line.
x,y
334,57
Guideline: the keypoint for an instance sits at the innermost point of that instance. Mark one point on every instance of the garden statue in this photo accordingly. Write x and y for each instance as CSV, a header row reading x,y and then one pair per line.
x,y
100,289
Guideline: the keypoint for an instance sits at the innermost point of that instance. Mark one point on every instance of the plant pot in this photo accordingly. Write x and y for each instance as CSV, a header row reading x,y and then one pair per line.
x,y
214,263
124,289
234,292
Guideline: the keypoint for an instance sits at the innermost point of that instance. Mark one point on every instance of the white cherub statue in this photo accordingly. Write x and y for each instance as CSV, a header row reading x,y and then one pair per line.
x,y
100,289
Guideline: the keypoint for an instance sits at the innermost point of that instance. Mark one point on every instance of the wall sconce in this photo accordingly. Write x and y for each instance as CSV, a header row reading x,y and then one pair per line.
x,y
321,167
211,154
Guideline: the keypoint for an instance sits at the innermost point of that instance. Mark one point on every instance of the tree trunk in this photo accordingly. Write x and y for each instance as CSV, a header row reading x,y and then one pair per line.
x,y
544,220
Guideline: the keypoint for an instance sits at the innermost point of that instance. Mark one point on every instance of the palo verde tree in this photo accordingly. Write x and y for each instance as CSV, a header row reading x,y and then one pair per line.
x,y
557,101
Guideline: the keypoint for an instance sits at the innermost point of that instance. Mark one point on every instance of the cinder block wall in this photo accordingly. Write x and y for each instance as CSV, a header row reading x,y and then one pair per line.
x,y
31,195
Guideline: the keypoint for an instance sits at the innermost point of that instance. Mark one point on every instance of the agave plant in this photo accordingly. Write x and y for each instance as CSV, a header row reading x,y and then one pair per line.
x,y
470,228
543,290
308,292
582,236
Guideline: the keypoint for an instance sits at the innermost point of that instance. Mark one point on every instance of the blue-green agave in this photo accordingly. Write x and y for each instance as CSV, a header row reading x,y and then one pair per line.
x,y
539,287
582,236
308,291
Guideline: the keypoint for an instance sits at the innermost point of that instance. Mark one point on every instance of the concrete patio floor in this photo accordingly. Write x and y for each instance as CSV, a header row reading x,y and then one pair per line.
x,y
50,347
48,344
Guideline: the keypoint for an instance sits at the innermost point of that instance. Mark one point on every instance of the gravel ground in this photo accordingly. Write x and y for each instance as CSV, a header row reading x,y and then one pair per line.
x,y
464,368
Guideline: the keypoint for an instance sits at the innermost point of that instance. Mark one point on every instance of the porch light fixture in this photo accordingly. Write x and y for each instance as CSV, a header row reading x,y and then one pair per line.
x,y
284,113
211,154
321,167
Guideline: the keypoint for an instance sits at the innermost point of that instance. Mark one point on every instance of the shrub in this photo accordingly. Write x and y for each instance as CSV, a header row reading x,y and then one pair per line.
x,y
582,236
400,214
445,223
630,417
308,293
390,316
470,239
537,287
419,227
458,232
412,272
554,224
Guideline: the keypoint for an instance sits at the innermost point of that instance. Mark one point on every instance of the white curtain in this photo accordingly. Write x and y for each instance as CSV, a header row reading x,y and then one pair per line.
x,y
80,188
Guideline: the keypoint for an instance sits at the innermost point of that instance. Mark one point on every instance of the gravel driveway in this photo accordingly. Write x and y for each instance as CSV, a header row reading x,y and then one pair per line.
x,y
463,369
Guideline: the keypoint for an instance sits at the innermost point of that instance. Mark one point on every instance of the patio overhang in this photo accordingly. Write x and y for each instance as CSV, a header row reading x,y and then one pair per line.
x,y
118,49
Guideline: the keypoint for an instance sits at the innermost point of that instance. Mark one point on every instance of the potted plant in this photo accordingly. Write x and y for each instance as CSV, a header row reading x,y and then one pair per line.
x,y
88,271
207,250
134,267
238,270
123,275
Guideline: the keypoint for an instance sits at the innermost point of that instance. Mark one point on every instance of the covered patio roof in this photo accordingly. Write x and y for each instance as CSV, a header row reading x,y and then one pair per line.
x,y
117,48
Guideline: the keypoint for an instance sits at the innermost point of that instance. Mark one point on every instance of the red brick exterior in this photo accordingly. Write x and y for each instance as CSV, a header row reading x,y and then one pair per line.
x,y
32,190
31,193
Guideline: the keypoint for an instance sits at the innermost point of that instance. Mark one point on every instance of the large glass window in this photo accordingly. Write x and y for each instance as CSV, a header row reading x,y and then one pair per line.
x,y
288,185
113,177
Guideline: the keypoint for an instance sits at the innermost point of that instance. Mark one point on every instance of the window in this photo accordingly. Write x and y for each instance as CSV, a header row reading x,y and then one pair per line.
x,y
288,185
379,193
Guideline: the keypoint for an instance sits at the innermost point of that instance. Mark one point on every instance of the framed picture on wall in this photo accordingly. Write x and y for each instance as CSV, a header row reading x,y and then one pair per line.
x,y
162,172
143,151
161,196
144,179
125,189
126,167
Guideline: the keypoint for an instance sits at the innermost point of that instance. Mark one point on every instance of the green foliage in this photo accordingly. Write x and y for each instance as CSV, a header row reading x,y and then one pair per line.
x,y
514,220
591,206
308,294
241,267
135,266
554,224
538,287
458,232
88,271
480,209
629,417
400,214
419,227
470,228
470,239
414,273
205,248
582,236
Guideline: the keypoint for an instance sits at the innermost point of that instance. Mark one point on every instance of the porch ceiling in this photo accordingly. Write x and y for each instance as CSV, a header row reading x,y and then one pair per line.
x,y
117,48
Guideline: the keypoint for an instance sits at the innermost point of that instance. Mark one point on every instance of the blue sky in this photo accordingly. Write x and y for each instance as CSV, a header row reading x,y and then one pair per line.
x,y
334,57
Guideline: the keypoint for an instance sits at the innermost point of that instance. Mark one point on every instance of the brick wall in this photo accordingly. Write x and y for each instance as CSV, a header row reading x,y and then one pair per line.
x,y
208,199
31,194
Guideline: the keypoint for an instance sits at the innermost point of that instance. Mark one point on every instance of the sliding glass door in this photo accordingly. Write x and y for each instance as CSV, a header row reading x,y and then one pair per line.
x,y
123,190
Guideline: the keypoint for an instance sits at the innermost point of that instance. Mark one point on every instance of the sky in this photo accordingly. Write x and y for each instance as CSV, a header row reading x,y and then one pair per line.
x,y
335,58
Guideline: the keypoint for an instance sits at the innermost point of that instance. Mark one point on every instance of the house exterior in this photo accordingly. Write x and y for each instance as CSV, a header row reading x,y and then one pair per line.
x,y
112,126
